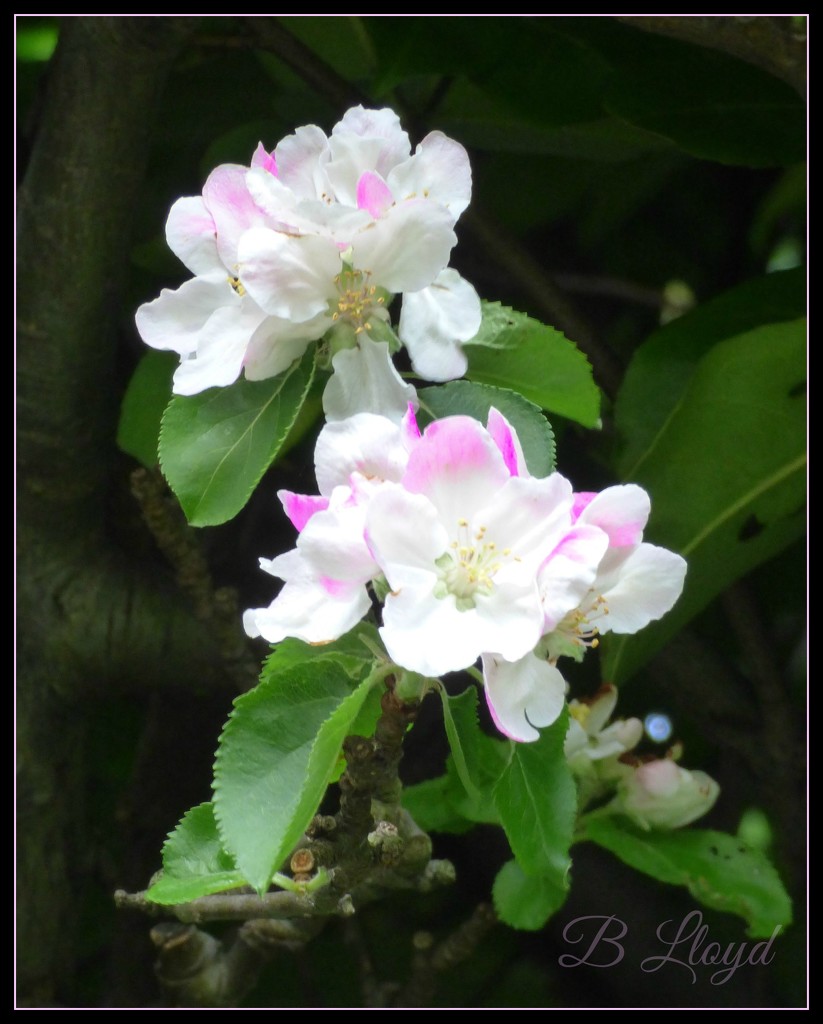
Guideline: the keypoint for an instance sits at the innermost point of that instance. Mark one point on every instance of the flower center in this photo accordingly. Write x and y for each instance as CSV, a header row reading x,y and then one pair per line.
x,y
358,300
577,632
469,565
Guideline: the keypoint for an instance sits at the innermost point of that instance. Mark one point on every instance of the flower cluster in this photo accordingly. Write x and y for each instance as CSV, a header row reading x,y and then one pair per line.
x,y
475,558
314,237
655,793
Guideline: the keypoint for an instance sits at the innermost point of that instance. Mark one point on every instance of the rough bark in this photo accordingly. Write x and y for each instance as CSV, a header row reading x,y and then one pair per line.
x,y
90,620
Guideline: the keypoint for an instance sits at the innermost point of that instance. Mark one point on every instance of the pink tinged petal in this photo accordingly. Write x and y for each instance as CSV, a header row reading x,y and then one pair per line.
x,y
457,466
435,321
523,696
190,232
333,543
365,380
227,199
582,499
301,507
622,511
407,248
306,609
364,140
409,425
264,160
373,195
646,586
569,572
504,436
289,277
439,171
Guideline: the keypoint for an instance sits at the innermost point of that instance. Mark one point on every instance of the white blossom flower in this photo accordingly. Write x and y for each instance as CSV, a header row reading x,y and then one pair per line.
x,y
592,737
460,540
319,233
326,575
600,576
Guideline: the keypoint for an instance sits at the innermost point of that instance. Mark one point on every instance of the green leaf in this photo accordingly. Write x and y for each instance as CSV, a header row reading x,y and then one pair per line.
x,y
194,861
719,870
277,755
536,800
431,804
513,351
663,366
710,104
349,651
726,474
458,754
476,761
143,405
463,397
526,901
215,446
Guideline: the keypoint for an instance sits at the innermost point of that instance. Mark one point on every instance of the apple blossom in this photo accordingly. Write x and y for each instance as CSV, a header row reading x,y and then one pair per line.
x,y
326,575
460,541
319,234
591,737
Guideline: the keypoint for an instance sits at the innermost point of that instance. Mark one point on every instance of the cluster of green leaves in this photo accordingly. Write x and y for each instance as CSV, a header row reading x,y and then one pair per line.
x,y
529,791
278,752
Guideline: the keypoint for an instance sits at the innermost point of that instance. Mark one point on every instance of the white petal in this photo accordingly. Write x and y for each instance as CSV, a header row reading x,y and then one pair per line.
x,y
221,347
365,380
382,126
433,323
289,277
306,609
301,161
644,588
364,443
622,511
190,232
406,249
173,321
405,536
430,635
567,575
277,343
439,170
523,696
